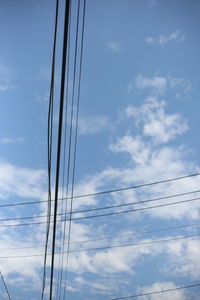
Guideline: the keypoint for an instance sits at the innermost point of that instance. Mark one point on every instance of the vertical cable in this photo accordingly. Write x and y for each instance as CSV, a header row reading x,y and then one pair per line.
x,y
49,144
75,146
59,141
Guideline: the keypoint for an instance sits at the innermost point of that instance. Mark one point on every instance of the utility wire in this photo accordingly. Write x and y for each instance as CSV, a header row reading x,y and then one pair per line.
x,y
158,292
4,283
112,237
98,215
95,216
109,247
76,138
104,192
49,143
59,141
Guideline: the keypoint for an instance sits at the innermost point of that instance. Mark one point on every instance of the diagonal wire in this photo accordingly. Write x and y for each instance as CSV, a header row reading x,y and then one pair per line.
x,y
4,283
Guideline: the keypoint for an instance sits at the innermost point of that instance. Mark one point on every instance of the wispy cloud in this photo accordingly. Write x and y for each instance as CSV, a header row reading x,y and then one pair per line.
x,y
5,78
151,3
114,46
93,124
175,36
158,85
12,140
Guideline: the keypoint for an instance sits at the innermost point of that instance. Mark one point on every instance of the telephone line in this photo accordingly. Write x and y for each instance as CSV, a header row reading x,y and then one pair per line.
x,y
112,237
105,192
109,247
95,216
158,292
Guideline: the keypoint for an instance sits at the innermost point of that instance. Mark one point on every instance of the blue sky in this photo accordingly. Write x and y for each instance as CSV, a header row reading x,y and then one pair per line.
x,y
138,123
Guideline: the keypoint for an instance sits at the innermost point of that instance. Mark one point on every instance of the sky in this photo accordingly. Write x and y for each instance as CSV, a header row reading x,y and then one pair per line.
x,y
138,123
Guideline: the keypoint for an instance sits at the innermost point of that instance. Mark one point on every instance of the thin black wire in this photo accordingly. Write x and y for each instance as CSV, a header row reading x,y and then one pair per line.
x,y
134,244
110,247
64,156
4,283
113,237
111,206
59,141
49,143
157,292
70,132
103,192
76,138
97,216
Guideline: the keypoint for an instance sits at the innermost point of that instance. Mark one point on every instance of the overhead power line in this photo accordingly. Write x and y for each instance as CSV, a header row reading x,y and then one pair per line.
x,y
59,140
112,237
4,283
92,216
158,292
106,192
109,247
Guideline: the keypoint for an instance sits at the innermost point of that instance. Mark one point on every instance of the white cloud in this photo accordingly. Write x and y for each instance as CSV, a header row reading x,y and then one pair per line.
x,y
160,84
158,125
184,258
93,124
151,3
114,46
159,286
11,140
21,182
176,36
157,83
5,78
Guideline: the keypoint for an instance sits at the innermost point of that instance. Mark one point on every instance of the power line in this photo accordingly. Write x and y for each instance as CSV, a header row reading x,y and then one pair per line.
x,y
4,283
105,192
134,244
94,216
112,237
59,141
50,143
157,292
109,247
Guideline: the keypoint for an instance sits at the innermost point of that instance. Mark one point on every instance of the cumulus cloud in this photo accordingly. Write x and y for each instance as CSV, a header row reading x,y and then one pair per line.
x,y
22,182
157,124
175,36
161,286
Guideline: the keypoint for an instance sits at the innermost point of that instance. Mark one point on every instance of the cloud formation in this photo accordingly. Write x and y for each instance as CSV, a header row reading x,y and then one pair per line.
x,y
175,36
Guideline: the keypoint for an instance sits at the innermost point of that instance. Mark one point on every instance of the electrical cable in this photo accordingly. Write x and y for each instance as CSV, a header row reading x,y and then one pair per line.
x,y
104,192
109,247
96,216
76,135
4,283
112,237
158,292
49,143
59,140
